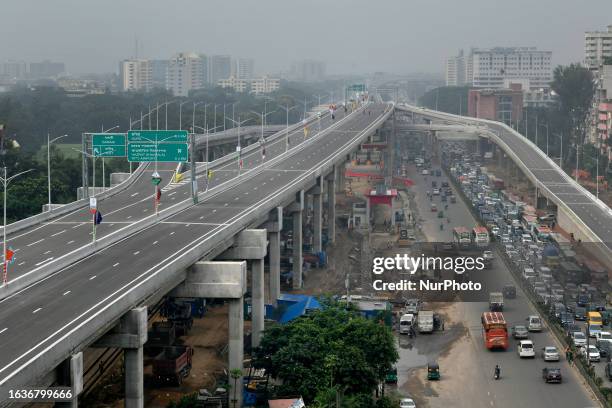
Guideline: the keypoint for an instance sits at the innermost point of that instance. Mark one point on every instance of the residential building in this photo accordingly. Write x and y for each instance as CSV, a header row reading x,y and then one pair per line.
x,y
13,70
532,97
308,70
504,105
237,84
489,68
159,72
204,67
46,69
597,47
220,67
184,73
75,87
135,75
245,68
264,85
456,70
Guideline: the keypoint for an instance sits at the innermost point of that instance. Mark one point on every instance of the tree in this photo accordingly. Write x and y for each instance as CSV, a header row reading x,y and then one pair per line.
x,y
332,348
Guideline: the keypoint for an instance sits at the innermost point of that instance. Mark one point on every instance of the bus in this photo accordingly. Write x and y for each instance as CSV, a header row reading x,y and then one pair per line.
x,y
461,237
594,318
480,236
494,330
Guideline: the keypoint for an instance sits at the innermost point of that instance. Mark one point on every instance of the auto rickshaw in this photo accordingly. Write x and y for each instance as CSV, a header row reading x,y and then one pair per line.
x,y
433,371
391,377
440,214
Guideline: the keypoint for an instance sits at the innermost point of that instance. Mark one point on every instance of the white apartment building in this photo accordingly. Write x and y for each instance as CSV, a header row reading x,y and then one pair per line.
x,y
597,46
264,85
185,73
245,68
456,73
237,84
489,68
135,75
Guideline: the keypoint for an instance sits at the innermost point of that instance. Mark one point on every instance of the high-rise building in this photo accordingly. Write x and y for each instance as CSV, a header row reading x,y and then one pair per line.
x,y
456,72
135,75
220,67
184,73
46,69
264,85
597,47
237,84
159,72
308,70
13,70
489,68
245,68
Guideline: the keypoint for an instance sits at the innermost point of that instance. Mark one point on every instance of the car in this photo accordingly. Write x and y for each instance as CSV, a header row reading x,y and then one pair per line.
x,y
407,403
534,323
425,172
580,313
552,375
571,328
436,191
594,330
520,332
583,300
566,319
509,292
579,339
550,353
604,336
434,208
605,349
548,218
609,371
593,353
525,349
453,199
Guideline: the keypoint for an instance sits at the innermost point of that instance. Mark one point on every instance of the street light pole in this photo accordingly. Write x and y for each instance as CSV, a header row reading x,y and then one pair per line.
x,y
286,108
49,167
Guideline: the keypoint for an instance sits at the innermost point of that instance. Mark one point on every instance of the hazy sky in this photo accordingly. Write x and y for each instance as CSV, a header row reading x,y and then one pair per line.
x,y
399,36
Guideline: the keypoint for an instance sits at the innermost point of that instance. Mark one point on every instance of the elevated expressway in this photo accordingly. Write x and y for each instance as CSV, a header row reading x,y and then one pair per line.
x,y
45,323
579,211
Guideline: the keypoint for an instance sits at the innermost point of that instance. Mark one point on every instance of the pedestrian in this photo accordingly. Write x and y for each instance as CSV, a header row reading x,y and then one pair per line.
x,y
567,353
570,357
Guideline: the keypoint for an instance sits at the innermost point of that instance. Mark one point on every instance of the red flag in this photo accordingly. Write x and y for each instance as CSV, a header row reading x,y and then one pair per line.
x,y
9,255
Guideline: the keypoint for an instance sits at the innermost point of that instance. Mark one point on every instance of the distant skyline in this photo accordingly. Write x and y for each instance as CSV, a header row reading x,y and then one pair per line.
x,y
351,36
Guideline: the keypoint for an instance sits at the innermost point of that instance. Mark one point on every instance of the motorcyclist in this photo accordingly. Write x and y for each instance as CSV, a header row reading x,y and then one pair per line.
x,y
441,226
448,220
497,371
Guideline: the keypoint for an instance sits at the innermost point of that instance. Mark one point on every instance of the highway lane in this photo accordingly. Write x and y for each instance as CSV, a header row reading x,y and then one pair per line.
x,y
39,245
521,383
67,300
597,219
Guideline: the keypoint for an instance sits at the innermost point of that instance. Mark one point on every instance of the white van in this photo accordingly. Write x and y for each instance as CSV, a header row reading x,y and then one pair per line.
x,y
534,323
406,322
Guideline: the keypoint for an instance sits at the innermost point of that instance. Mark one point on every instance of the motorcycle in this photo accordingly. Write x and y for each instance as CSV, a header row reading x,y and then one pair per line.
x,y
497,373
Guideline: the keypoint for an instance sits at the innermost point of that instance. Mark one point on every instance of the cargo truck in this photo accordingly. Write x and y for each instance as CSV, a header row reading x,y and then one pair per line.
x,y
172,364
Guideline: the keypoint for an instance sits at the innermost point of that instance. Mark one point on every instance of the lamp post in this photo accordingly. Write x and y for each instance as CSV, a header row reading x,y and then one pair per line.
x,y
48,166
239,123
206,131
181,114
546,126
319,113
262,140
5,182
93,160
286,108
561,149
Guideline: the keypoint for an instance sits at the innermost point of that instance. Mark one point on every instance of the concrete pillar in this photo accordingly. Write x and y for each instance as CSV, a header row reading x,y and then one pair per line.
x,y
236,348
296,209
257,302
130,334
274,227
331,207
317,205
70,373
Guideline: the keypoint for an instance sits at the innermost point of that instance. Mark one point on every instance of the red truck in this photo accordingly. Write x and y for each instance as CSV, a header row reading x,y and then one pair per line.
x,y
172,364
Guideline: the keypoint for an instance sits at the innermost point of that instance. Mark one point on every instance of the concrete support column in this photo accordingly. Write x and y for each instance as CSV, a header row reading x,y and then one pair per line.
x,y
70,373
331,207
257,302
274,226
296,209
317,221
130,334
236,348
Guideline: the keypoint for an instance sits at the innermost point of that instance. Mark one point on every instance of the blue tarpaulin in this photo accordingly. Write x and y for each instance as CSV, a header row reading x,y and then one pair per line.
x,y
296,306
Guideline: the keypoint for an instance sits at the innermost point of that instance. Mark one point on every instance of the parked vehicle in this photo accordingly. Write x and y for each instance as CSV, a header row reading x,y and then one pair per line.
x,y
391,377
550,353
525,349
594,330
407,403
592,352
552,375
605,349
412,306
406,323
172,364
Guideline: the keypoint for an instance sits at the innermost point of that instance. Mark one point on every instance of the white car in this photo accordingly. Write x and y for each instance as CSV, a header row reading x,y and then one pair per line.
x,y
534,323
436,191
579,338
593,353
525,349
604,336
594,330
407,403
550,353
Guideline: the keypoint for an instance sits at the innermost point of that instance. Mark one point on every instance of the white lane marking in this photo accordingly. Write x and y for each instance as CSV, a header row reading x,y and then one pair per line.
x,y
3,330
115,265
225,205
77,226
45,261
134,195
93,277
35,242
155,243
172,193
57,233
20,263
65,293
214,211
48,252
136,253
202,217
128,217
37,310
70,242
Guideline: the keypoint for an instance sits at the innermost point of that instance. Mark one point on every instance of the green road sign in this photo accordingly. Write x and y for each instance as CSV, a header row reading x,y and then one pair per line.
x,y
161,136
357,88
108,144
166,152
